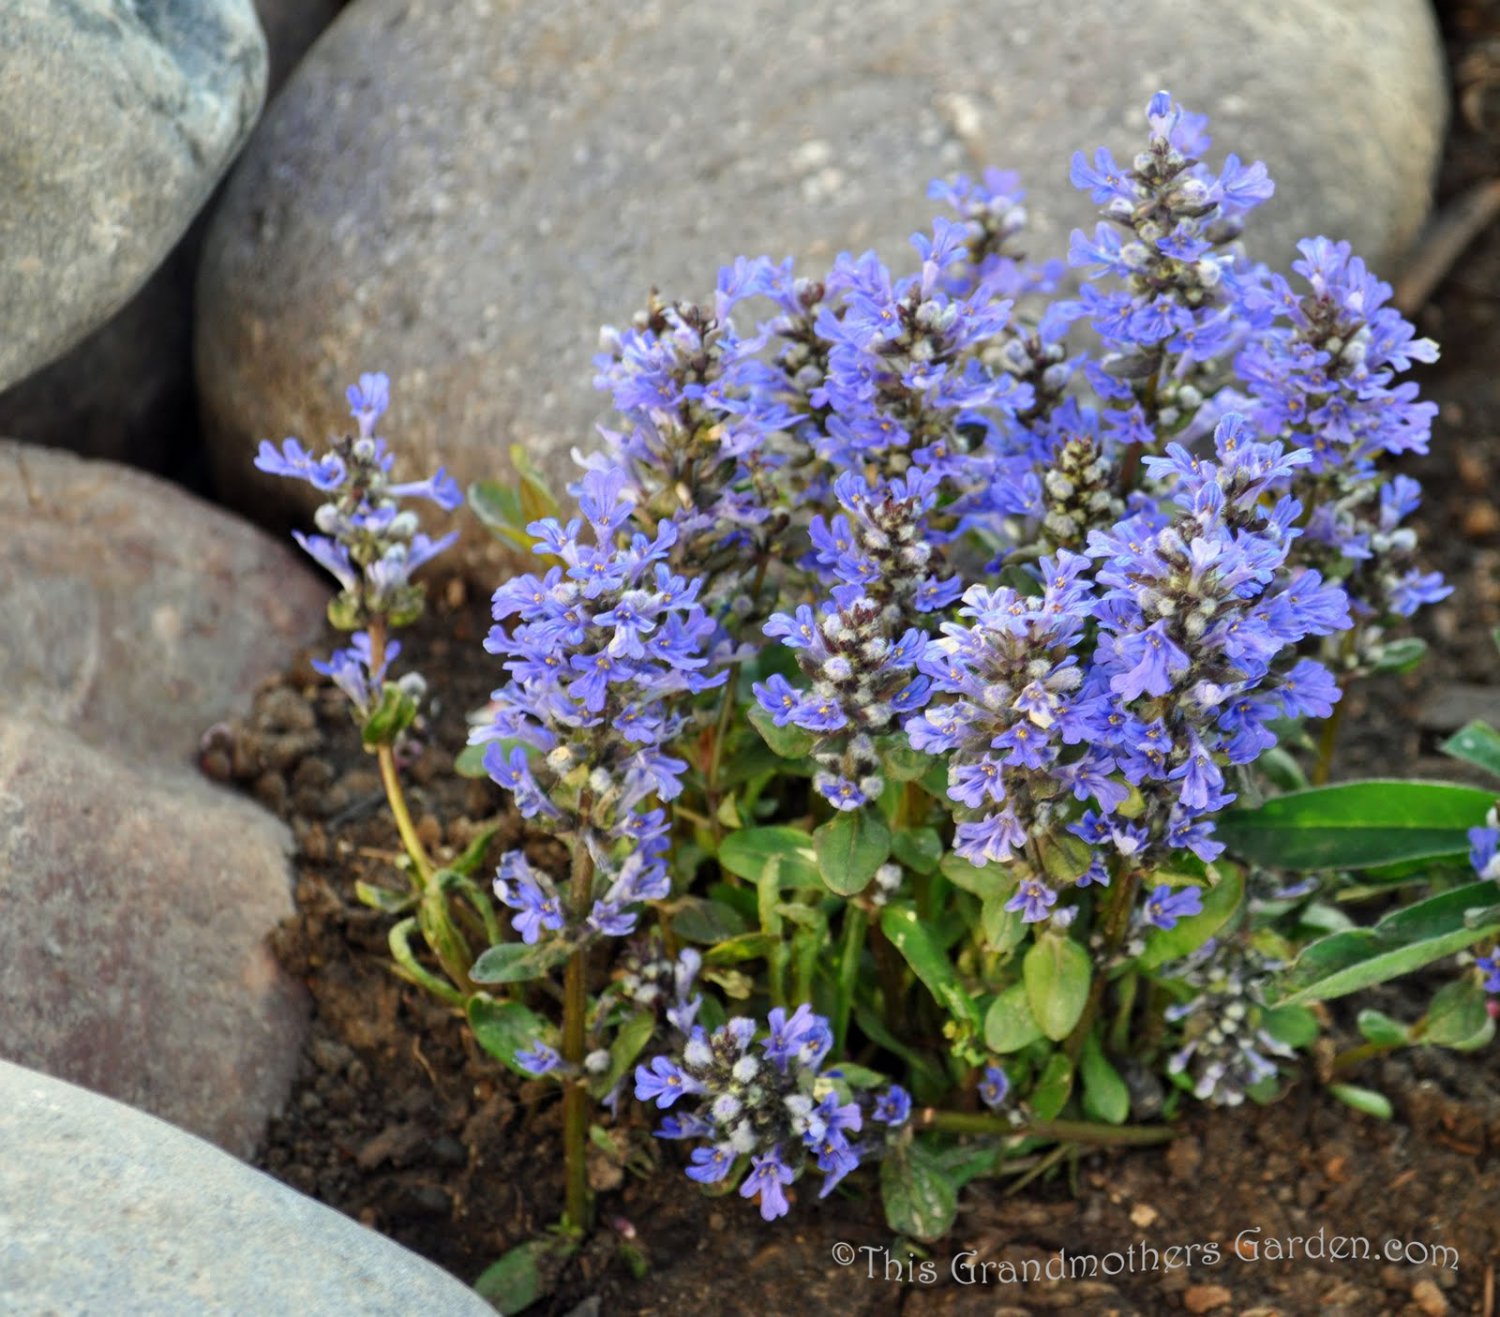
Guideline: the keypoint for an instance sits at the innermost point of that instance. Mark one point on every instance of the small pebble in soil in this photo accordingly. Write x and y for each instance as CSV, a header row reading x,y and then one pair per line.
x,y
1426,1295
1142,1215
1205,1298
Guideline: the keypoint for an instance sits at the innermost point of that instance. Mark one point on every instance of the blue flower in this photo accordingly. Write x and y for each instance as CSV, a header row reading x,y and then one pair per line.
x,y
325,473
539,1058
664,1082
711,1164
1166,905
1484,851
767,1177
893,1107
994,1087
1489,966
1034,899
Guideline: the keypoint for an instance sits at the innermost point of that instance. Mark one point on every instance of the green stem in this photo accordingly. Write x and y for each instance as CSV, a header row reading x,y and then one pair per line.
x,y
1328,738
1116,923
891,973
575,1017
1066,1131
442,935
856,922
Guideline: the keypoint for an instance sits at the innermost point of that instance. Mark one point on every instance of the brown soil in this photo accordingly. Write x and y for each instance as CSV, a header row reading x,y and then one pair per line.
x,y
400,1121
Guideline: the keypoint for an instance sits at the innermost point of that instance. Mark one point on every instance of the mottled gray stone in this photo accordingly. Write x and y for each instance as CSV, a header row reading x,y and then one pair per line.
x,y
133,612
533,170
117,117
133,952
105,1210
125,392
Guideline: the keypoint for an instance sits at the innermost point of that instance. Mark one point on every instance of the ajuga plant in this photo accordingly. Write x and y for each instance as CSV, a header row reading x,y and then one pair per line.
x,y
913,723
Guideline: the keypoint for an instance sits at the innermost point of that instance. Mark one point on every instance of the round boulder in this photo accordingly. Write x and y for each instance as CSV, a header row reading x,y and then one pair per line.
x,y
531,172
117,117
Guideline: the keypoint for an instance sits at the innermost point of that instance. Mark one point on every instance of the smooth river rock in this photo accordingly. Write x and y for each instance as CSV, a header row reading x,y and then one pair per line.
x,y
125,392
133,612
105,1210
117,117
534,170
133,953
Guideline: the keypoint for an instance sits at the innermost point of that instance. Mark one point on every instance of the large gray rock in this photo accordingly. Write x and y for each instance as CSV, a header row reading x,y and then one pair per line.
x,y
125,392
133,952
104,1210
469,224
117,118
133,612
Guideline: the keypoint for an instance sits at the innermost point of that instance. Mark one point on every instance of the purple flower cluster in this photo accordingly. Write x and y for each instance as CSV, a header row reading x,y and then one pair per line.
x,y
1198,619
1167,240
368,542
858,648
1321,369
769,1104
1009,702
597,650
700,426
1225,1052
1200,623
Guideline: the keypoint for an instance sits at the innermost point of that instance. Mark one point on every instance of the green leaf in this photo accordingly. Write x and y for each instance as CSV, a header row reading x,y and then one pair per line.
x,y
1105,1096
902,763
850,847
1357,825
698,920
757,853
1402,941
1053,1087
1065,858
914,940
1009,1024
515,962
919,849
789,742
468,863
392,716
919,1197
504,1028
1220,902
1400,655
1057,972
1366,1100
1458,1014
1379,1028
749,946
630,1040
469,762
1296,1026
982,880
514,1283
1003,929
1281,769
384,899
1478,744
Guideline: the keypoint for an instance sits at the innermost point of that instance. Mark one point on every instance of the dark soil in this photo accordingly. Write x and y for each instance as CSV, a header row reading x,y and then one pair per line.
x,y
400,1121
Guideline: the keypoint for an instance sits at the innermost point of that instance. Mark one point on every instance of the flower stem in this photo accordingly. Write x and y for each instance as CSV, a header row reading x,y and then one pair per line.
x,y
575,1014
1328,737
1067,1131
390,779
856,922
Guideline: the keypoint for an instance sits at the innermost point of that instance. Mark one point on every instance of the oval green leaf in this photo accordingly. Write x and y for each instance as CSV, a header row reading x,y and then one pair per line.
x,y
1057,972
1357,825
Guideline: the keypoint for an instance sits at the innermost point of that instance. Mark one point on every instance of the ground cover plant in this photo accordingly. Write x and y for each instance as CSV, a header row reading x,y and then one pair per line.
x,y
923,701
